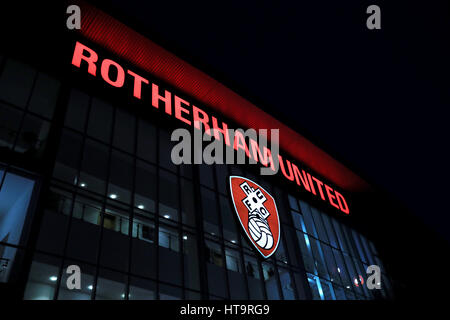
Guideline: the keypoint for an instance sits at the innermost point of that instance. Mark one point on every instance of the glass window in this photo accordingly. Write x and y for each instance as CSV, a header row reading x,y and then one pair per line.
x,y
330,231
229,222
327,289
168,195
214,253
305,248
299,224
339,292
124,130
340,236
168,238
293,203
11,260
145,193
77,110
357,242
42,279
116,219
45,93
222,178
367,250
210,214
319,225
271,281
142,289
10,120
307,217
100,120
33,137
15,196
16,82
165,151
167,292
191,263
146,144
68,158
286,284
121,177
280,253
191,295
94,166
342,269
187,202
110,285
87,210
206,175
251,267
233,260
316,287
143,228
318,258
331,264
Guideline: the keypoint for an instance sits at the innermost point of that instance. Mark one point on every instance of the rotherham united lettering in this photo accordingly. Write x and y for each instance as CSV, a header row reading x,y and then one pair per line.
x,y
194,116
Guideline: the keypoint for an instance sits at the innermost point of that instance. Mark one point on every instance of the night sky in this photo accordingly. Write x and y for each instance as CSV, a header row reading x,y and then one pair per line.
x,y
376,100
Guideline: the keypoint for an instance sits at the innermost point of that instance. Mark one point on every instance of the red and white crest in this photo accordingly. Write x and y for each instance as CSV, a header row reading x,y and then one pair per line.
x,y
257,213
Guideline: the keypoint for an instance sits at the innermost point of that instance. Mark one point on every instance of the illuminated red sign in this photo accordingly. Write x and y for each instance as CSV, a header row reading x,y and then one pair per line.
x,y
193,115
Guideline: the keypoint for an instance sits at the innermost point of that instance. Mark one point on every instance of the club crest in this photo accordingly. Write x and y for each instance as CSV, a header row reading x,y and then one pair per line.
x,y
257,213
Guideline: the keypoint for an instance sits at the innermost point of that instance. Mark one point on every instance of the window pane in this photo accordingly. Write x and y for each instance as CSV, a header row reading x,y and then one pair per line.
x,y
168,195
110,285
86,209
191,263
94,166
100,120
165,151
124,129
271,281
210,214
206,175
33,136
305,248
67,160
293,203
42,279
167,292
233,260
145,193
319,225
77,110
142,289
144,228
286,284
330,231
146,145
45,93
222,178
169,238
15,196
9,126
16,82
121,177
309,222
228,220
214,253
187,202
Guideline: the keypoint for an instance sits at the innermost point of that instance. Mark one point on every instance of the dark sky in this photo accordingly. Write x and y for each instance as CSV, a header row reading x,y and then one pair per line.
x,y
376,100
